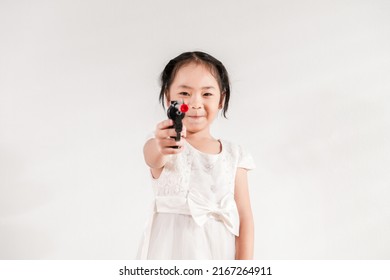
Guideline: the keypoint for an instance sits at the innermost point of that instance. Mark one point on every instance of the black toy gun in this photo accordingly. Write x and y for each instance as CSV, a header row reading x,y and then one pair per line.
x,y
176,112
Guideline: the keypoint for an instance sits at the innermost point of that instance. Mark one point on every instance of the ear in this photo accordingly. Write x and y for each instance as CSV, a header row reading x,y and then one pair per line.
x,y
221,99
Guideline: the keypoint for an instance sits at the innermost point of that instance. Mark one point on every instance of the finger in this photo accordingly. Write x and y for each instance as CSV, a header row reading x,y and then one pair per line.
x,y
169,143
165,133
172,150
164,124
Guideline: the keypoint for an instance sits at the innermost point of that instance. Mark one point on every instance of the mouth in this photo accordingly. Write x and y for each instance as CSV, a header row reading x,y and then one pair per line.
x,y
195,117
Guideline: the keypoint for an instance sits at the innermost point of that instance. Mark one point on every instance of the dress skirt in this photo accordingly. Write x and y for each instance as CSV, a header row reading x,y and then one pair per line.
x,y
177,237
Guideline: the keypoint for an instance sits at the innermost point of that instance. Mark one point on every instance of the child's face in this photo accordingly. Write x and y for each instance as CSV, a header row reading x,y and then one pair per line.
x,y
197,87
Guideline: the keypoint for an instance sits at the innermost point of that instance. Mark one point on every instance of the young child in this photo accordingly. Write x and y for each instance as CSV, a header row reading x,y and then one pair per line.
x,y
202,207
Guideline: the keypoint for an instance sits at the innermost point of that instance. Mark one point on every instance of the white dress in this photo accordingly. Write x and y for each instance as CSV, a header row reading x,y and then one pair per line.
x,y
195,215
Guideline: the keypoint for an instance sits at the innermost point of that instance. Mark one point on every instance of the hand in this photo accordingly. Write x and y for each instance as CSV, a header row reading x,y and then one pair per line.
x,y
163,135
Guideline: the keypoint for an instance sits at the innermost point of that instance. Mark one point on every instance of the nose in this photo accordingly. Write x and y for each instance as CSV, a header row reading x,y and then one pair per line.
x,y
196,107
196,101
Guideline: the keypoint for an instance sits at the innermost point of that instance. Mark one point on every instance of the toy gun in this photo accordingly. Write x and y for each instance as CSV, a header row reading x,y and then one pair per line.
x,y
176,112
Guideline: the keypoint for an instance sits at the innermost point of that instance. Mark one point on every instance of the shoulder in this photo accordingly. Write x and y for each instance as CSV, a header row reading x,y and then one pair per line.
x,y
232,148
240,155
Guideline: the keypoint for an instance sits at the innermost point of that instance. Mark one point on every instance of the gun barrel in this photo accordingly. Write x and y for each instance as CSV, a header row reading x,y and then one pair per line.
x,y
176,112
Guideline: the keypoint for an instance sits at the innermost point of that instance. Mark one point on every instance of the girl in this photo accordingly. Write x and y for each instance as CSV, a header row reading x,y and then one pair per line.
x,y
202,208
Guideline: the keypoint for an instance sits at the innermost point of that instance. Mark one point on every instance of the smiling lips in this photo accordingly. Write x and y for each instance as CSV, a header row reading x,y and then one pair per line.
x,y
194,118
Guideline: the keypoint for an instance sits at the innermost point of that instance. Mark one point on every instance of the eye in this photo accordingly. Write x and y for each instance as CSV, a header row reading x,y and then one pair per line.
x,y
184,93
207,94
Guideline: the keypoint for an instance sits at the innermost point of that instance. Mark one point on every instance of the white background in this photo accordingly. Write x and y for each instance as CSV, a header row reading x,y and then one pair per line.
x,y
310,98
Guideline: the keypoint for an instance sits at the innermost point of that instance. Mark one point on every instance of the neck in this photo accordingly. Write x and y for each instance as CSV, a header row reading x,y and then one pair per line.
x,y
199,135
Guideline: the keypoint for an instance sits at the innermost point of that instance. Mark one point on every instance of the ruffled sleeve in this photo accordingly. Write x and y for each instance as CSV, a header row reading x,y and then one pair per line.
x,y
245,159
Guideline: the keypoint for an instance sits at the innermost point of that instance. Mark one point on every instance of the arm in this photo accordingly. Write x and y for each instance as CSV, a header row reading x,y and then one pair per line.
x,y
154,158
156,150
245,241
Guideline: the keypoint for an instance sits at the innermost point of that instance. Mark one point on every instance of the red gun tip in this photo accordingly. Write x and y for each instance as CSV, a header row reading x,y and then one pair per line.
x,y
183,108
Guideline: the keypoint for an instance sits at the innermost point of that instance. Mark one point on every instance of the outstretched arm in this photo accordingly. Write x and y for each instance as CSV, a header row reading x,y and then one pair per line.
x,y
245,241
156,150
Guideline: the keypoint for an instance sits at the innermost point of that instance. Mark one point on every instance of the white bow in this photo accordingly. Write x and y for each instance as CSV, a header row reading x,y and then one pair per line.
x,y
226,210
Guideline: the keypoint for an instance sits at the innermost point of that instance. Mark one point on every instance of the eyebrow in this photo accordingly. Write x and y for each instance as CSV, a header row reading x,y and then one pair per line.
x,y
188,87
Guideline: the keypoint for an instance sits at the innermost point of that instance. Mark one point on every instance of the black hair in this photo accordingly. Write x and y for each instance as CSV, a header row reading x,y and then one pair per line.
x,y
216,68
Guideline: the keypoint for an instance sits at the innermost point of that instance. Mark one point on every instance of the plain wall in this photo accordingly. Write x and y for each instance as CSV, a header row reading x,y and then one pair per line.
x,y
310,100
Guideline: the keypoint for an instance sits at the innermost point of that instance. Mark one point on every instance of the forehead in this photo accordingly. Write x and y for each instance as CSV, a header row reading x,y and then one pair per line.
x,y
195,75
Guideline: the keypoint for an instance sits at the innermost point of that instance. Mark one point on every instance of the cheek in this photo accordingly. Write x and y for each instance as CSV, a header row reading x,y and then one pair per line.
x,y
213,105
212,111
